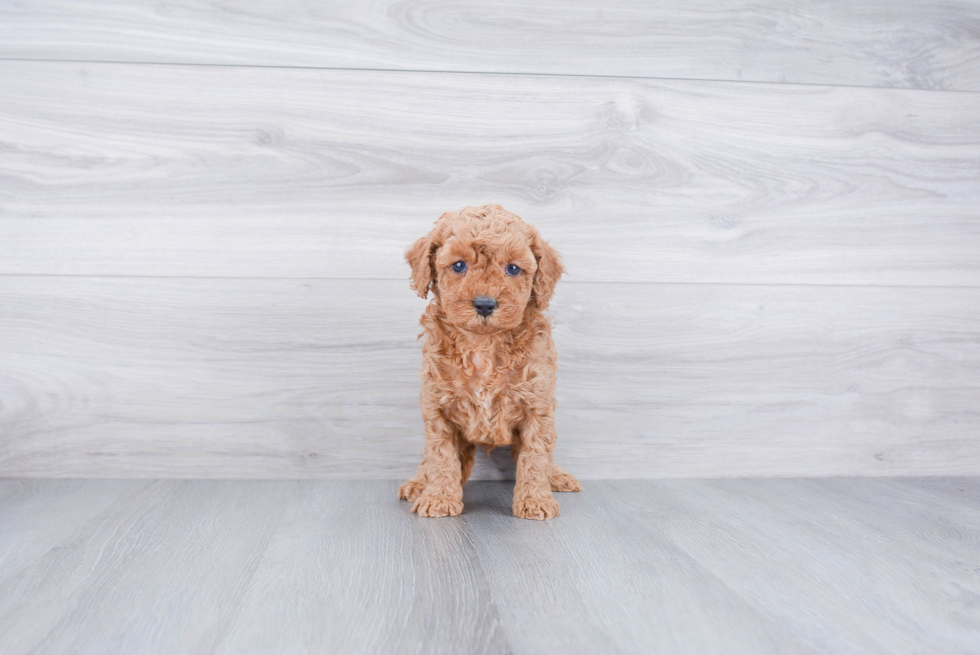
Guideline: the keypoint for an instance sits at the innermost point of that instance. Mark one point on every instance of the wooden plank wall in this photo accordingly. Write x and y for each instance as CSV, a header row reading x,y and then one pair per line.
x,y
770,214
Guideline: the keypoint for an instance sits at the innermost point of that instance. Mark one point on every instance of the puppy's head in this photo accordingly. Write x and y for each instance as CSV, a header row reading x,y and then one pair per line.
x,y
486,266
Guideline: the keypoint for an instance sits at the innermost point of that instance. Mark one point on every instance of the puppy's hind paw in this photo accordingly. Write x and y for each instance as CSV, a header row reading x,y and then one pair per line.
x,y
434,506
411,490
538,509
561,481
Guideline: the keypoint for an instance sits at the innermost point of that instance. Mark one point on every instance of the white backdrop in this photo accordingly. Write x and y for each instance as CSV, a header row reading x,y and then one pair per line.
x,y
770,221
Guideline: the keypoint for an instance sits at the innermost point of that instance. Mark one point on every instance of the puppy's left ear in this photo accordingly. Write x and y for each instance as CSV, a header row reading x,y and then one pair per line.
x,y
549,270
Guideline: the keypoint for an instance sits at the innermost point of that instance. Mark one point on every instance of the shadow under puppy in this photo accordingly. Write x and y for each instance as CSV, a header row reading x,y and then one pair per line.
x,y
488,360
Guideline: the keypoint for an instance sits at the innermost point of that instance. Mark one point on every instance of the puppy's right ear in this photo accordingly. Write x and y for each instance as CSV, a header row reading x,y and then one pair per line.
x,y
419,257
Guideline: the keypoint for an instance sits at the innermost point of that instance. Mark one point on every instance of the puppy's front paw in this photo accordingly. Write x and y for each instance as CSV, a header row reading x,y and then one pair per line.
x,y
539,509
411,490
437,506
562,481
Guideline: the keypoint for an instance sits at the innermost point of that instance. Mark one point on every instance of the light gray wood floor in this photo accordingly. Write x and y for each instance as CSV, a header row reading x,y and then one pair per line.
x,y
683,566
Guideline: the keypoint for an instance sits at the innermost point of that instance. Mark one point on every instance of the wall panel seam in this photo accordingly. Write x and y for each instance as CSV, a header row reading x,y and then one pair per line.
x,y
410,71
564,282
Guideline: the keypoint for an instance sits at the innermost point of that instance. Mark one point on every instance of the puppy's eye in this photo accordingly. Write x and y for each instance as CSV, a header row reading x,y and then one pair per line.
x,y
459,267
513,269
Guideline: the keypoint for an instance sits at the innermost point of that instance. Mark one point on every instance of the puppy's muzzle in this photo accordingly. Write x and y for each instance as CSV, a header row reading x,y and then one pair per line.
x,y
484,305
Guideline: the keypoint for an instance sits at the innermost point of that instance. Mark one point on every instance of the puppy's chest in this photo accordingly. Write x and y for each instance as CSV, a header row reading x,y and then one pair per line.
x,y
487,400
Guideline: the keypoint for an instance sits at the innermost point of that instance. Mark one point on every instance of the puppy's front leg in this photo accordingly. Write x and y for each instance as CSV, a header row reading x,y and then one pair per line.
x,y
443,494
532,491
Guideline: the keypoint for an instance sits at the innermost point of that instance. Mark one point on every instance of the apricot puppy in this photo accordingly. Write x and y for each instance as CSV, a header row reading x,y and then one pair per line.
x,y
488,360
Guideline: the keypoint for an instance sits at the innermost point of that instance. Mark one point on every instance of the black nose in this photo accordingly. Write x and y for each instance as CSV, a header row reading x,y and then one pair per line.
x,y
484,305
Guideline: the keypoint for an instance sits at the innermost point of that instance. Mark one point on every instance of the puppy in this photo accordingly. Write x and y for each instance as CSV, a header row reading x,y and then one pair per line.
x,y
488,360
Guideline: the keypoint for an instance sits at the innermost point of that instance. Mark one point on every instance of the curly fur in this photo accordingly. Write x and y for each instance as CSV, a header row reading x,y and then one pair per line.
x,y
487,381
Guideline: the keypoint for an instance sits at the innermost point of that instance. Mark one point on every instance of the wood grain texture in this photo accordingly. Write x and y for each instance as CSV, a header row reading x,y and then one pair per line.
x,y
789,539
684,566
197,171
921,44
245,378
